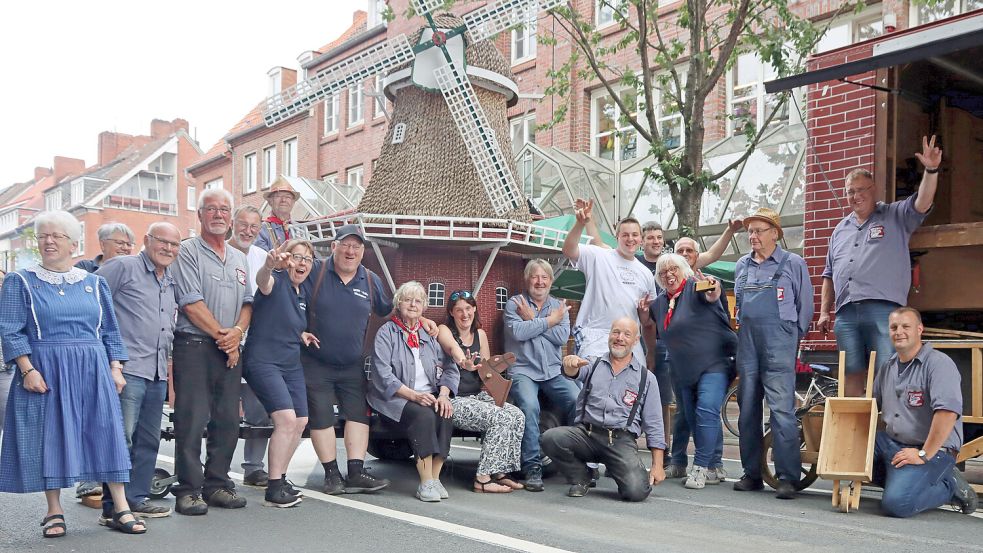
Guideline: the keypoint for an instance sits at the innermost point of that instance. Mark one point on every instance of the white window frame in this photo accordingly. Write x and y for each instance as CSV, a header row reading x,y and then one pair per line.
x,y
269,165
870,16
249,173
501,298
523,43
354,176
641,146
604,12
80,251
527,125
375,10
213,184
332,108
192,198
290,157
53,199
435,294
661,117
78,191
356,114
960,7
379,101
759,95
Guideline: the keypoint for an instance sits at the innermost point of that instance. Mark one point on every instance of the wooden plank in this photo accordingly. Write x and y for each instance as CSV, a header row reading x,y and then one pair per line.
x,y
949,332
970,449
947,236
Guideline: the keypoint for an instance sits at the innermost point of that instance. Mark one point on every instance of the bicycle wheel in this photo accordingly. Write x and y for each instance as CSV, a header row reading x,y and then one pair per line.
x,y
768,474
730,411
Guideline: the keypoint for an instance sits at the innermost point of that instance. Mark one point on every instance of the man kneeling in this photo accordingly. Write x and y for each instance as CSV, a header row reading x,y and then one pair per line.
x,y
919,393
613,407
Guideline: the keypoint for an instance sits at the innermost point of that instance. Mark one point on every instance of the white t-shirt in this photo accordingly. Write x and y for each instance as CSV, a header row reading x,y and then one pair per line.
x,y
420,383
614,286
256,258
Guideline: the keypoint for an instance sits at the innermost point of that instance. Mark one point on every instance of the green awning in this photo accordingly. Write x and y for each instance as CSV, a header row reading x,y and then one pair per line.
x,y
570,284
565,222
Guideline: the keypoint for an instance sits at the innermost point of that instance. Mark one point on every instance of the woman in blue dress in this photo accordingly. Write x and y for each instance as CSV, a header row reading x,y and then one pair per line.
x,y
63,419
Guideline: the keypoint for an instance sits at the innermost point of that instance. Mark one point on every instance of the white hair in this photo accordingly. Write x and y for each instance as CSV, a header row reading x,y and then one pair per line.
x,y
696,245
106,231
62,220
211,192
408,290
154,227
667,260
537,264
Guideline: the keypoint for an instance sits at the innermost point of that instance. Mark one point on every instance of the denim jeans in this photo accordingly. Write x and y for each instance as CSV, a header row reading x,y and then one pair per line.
x,y
861,327
701,408
254,449
142,404
911,489
560,390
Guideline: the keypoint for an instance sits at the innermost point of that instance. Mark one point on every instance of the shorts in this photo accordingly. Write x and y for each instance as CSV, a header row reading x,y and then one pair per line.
x,y
662,374
278,388
862,327
333,385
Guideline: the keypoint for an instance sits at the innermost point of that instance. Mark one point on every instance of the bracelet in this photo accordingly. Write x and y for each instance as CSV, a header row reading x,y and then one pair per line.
x,y
932,170
27,372
241,331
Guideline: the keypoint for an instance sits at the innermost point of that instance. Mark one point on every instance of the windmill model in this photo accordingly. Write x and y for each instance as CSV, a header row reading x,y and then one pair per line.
x,y
445,218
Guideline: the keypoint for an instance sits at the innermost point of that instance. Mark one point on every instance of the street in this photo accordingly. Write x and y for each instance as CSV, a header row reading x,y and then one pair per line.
x,y
673,519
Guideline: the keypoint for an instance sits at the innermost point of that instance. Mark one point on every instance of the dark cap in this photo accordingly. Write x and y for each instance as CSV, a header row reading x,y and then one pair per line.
x,y
349,230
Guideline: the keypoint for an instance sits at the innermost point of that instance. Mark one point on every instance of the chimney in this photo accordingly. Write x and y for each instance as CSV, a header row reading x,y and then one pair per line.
x,y
111,144
41,172
160,128
180,124
65,166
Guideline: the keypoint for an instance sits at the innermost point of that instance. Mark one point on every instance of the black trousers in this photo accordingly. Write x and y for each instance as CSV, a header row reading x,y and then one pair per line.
x,y
428,433
570,447
206,395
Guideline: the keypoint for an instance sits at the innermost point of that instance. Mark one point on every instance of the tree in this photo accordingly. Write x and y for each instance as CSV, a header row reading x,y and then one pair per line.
x,y
705,37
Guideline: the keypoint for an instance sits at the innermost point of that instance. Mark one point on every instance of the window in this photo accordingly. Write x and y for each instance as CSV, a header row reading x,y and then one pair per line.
x,y
611,134
355,105
290,157
355,176
746,98
376,13
78,191
192,198
216,183
269,166
927,12
524,42
435,294
332,106
849,31
668,115
604,11
523,131
80,251
52,200
379,100
501,298
249,173
275,80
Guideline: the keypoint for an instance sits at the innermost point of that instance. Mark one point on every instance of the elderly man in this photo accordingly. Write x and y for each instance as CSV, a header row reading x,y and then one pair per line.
x,y
114,239
215,310
281,197
246,221
919,393
537,326
868,268
143,298
774,306
617,403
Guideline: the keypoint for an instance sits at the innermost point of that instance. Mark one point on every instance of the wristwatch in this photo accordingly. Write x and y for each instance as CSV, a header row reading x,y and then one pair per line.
x,y
921,454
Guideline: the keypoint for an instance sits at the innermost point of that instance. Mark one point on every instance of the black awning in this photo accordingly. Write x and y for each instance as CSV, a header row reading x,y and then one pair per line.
x,y
934,48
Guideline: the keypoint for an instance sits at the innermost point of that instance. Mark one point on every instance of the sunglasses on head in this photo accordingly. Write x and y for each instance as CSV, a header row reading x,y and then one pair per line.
x,y
461,295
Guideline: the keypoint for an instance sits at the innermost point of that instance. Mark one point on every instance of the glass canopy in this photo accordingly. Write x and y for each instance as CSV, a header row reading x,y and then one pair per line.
x,y
772,176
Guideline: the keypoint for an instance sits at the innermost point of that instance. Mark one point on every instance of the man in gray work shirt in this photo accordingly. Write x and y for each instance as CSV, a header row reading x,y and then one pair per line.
x,y
868,268
919,393
143,298
215,310
618,402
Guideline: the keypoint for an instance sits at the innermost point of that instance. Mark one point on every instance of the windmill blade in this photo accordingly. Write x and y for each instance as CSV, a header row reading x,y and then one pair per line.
x,y
497,17
483,146
427,7
351,71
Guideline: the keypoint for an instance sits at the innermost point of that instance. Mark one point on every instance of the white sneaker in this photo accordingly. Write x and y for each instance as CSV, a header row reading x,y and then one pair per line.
x,y
697,479
441,490
427,491
716,475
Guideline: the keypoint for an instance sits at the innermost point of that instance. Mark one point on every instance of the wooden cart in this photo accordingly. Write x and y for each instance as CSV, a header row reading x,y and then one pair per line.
x,y
968,355
846,450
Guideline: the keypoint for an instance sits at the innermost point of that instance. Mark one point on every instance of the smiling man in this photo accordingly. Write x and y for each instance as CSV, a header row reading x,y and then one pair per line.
x,y
281,197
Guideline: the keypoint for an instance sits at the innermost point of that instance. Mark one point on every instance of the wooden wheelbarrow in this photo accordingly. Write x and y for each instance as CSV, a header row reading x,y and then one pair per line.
x,y
846,450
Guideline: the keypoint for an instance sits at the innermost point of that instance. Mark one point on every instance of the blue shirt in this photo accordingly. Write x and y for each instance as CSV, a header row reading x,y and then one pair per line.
x,y
536,345
871,261
794,288
90,265
278,321
342,312
263,240
147,311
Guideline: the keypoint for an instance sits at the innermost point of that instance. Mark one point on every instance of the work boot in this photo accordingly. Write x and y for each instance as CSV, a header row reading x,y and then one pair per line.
x,y
785,490
364,482
191,505
578,490
964,497
676,471
226,499
748,484
595,474
534,479
333,484
258,478
277,495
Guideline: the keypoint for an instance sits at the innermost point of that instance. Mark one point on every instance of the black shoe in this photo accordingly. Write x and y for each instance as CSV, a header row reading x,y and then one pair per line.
x,y
964,497
333,483
534,479
748,484
595,473
259,478
226,499
578,490
364,482
288,487
190,505
785,490
277,495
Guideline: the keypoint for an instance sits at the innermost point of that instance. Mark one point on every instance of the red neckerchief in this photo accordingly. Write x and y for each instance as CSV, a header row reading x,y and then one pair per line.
x,y
412,339
282,223
672,304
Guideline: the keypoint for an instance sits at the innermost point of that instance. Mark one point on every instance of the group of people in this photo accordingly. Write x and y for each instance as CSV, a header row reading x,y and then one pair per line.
x,y
90,345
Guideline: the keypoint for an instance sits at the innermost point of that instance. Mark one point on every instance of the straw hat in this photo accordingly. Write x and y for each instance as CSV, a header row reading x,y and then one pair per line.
x,y
769,216
281,185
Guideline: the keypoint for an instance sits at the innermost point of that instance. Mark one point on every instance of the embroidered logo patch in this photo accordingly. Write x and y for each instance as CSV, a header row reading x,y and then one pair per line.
x,y
439,370
629,398
916,398
781,293
241,276
876,232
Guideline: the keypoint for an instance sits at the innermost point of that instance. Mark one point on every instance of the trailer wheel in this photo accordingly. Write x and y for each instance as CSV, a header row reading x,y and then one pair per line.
x,y
161,484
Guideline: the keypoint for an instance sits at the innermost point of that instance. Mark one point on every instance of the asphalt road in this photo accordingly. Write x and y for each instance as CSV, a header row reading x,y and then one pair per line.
x,y
673,519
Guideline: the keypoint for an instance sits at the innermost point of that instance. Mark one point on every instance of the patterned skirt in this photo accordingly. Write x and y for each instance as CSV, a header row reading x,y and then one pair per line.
x,y
72,433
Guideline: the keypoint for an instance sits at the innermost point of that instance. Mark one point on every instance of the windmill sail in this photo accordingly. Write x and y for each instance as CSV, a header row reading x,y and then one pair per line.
x,y
495,18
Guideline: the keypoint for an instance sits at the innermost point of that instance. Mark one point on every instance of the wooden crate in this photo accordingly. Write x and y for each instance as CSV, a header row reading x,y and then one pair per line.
x,y
846,450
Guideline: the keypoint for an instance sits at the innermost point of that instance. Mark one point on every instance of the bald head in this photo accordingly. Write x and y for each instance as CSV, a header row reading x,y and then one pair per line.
x,y
161,244
623,337
689,249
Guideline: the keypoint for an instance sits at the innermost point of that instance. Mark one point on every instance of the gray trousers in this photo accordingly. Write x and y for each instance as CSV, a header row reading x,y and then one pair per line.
x,y
571,447
255,415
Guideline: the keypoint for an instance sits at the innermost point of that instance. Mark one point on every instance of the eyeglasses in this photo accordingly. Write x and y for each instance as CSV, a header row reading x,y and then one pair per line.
x,y
168,243
461,295
277,195
671,270
298,258
53,235
758,231
212,209
411,301
120,243
354,246
857,191
243,226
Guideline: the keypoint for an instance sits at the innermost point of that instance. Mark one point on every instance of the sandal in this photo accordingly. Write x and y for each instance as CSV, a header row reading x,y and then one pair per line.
x,y
47,525
127,527
480,487
504,480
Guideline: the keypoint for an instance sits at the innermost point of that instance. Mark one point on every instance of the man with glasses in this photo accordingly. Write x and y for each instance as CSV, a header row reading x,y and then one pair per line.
x,y
145,306
114,239
868,267
774,298
215,311
281,197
